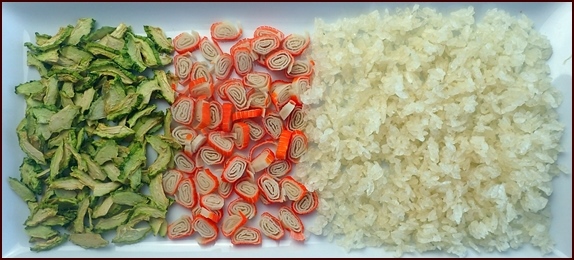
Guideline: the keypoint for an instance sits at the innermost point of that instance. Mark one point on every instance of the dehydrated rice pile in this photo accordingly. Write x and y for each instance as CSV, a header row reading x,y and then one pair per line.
x,y
432,131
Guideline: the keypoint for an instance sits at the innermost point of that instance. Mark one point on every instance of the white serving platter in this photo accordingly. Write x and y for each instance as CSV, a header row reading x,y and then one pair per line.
x,y
21,20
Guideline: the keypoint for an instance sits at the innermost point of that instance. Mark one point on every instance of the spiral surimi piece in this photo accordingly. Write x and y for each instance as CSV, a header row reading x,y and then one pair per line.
x,y
239,205
278,169
222,66
209,50
292,189
246,236
292,223
300,85
215,115
206,182
271,226
247,190
295,44
209,156
224,189
307,204
186,42
234,169
296,121
297,146
222,144
268,30
258,80
243,61
281,94
258,99
300,68
186,193
256,131
225,31
279,60
182,110
212,201
265,44
201,70
273,125
181,227
183,134
232,223
170,181
183,64
206,229
223,86
237,96
270,188
183,163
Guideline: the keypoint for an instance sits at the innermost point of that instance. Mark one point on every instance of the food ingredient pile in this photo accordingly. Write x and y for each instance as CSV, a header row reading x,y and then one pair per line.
x,y
89,119
431,131
239,120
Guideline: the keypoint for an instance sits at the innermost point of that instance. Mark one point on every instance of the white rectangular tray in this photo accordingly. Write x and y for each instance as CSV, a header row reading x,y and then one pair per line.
x,y
21,20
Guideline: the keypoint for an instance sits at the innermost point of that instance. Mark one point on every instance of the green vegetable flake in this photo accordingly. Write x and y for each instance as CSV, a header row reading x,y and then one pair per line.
x,y
88,240
55,40
29,171
111,222
43,232
113,132
128,198
164,155
157,35
40,215
101,189
164,83
129,235
63,119
157,193
26,194
102,209
83,27
31,89
78,224
50,243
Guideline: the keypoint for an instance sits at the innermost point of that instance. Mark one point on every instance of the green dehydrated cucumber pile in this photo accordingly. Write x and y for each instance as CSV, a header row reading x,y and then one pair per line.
x,y
89,120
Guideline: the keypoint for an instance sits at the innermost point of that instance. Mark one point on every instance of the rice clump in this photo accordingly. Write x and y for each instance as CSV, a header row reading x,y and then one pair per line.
x,y
432,132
